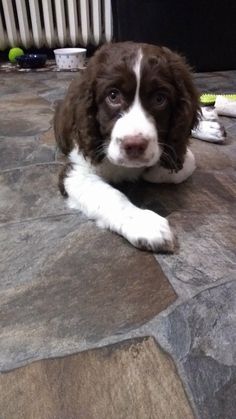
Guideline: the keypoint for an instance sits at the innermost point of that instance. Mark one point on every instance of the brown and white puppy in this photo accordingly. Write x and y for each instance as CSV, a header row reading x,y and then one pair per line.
x,y
129,114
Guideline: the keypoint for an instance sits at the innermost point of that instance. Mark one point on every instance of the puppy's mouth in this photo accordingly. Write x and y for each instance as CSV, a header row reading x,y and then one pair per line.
x,y
134,162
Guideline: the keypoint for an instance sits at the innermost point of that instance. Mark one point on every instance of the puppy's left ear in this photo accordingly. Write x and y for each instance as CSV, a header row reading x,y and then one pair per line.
x,y
184,112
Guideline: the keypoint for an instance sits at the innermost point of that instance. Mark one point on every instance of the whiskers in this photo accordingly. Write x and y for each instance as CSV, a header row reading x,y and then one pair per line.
x,y
167,157
101,150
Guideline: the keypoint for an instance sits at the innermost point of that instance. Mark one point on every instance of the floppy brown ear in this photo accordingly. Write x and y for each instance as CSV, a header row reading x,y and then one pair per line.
x,y
75,118
184,113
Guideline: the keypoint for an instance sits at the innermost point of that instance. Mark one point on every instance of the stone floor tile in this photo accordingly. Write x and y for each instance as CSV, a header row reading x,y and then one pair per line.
x,y
24,114
211,156
22,151
49,79
48,138
30,192
200,335
231,133
227,121
24,102
27,246
217,82
207,251
65,285
12,84
134,380
52,95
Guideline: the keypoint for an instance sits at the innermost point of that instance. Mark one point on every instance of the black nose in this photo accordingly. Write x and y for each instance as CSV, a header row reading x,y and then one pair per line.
x,y
134,145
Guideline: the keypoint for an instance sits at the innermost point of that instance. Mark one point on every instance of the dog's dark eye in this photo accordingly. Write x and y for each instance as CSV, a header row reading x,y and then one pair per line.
x,y
160,99
114,97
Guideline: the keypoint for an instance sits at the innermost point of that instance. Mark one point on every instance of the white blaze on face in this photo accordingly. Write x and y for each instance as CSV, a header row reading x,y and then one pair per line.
x,y
135,121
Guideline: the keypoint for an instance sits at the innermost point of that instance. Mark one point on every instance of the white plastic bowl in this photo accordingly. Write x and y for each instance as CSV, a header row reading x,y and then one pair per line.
x,y
70,58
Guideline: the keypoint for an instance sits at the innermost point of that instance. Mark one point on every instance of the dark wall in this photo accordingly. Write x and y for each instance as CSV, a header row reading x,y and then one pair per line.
x,y
203,30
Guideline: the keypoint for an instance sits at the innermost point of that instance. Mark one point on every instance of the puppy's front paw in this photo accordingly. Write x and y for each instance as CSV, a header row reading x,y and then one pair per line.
x,y
149,231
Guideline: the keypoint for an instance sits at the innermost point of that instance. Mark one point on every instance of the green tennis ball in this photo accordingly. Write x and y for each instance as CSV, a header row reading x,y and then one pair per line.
x,y
13,53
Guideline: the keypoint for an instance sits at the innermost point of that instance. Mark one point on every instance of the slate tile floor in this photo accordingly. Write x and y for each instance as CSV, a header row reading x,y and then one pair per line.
x,y
67,287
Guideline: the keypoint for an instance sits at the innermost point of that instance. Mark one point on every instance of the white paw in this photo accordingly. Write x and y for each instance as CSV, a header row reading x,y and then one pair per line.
x,y
149,231
212,131
208,114
209,127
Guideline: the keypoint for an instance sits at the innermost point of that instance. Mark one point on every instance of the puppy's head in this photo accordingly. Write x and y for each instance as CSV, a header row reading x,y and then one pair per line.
x,y
142,104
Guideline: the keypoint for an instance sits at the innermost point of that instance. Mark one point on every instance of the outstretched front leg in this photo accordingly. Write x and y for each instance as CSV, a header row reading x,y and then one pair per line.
x,y
159,174
89,193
